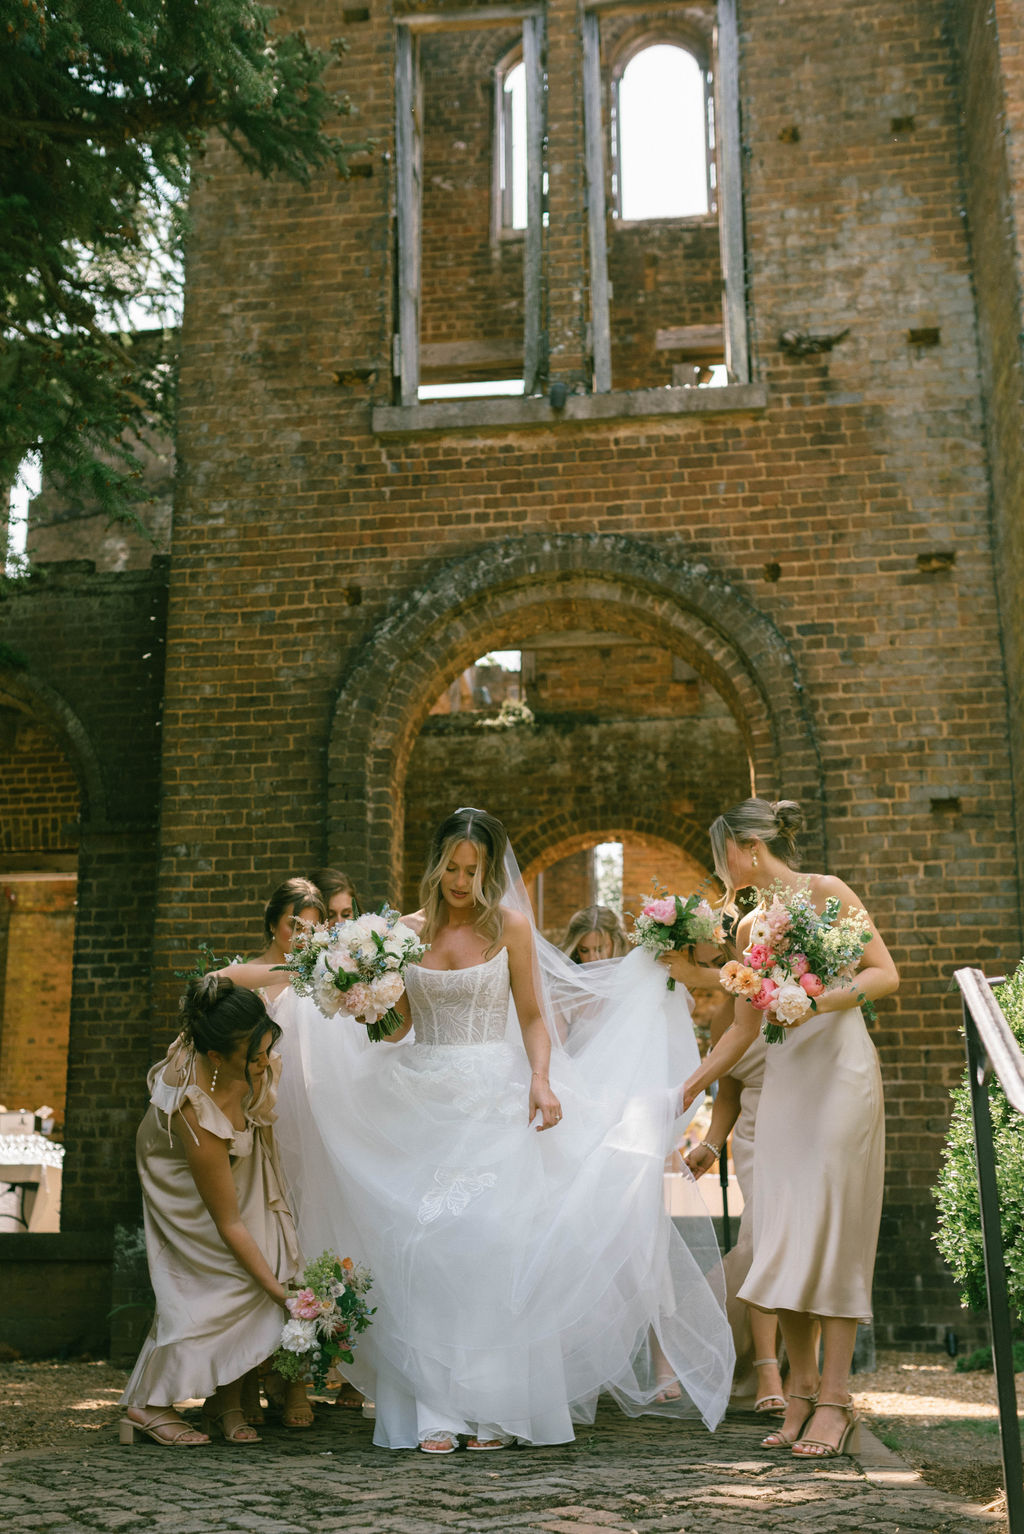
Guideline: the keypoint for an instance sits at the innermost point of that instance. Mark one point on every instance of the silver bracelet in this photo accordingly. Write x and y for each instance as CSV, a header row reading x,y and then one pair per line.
x,y
716,1150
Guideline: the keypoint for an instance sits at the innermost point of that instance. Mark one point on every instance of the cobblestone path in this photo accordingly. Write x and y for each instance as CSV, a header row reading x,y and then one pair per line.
x,y
621,1477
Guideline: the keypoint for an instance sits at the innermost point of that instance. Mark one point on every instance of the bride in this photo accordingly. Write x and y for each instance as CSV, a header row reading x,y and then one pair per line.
x,y
498,1165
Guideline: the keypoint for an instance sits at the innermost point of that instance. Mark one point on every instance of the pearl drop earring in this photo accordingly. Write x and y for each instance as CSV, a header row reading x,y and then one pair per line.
x,y
213,1083
753,858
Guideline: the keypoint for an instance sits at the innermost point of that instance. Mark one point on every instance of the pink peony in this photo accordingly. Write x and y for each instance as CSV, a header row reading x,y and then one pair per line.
x,y
358,1000
758,956
663,911
799,964
303,1306
765,996
811,984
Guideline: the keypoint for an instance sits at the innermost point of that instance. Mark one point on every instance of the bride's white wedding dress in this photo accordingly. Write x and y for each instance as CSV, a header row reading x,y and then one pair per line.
x,y
516,1274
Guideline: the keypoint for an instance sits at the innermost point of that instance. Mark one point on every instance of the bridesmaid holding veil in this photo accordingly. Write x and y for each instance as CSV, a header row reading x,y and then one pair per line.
x,y
219,1235
517,1273
819,1150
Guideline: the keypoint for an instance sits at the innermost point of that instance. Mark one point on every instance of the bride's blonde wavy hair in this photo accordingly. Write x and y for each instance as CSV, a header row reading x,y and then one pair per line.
x,y
488,834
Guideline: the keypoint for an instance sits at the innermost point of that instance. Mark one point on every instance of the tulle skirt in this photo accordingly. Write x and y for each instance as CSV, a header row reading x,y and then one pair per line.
x,y
517,1274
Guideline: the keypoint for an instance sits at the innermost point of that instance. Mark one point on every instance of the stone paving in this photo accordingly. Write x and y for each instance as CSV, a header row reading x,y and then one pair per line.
x,y
620,1477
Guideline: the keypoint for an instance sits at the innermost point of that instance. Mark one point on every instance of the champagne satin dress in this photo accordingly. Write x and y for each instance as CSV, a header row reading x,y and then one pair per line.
x,y
213,1321
819,1164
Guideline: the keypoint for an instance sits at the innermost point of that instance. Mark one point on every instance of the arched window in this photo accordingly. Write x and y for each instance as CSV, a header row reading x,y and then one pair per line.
x,y
662,135
510,84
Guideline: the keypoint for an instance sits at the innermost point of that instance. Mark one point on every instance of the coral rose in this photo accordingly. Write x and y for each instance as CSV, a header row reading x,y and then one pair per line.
x,y
811,984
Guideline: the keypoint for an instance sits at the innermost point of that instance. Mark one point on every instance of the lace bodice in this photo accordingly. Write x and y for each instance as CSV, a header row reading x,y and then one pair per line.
x,y
460,1006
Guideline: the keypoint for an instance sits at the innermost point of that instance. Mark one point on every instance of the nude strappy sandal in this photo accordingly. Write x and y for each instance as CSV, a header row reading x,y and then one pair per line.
x,y
772,1405
183,1439
779,1439
817,1448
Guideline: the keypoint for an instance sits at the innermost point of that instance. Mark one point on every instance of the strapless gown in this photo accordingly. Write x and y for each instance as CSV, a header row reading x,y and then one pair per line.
x,y
516,1274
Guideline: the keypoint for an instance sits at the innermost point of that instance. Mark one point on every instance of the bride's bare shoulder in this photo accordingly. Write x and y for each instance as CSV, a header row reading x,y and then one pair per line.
x,y
415,921
515,926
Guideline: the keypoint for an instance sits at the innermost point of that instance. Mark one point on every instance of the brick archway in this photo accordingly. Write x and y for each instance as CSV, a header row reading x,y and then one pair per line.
x,y
45,706
552,838
504,592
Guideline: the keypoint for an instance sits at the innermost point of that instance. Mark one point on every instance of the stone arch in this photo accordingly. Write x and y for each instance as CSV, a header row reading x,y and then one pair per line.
x,y
551,839
46,707
491,598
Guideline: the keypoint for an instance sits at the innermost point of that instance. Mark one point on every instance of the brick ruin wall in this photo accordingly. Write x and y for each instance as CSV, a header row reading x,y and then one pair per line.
x,y
848,517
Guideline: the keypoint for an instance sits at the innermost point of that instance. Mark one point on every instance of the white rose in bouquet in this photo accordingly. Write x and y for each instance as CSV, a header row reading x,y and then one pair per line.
x,y
791,1003
298,1336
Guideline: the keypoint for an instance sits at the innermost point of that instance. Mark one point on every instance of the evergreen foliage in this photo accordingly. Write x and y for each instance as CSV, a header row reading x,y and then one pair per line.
x,y
105,108
959,1233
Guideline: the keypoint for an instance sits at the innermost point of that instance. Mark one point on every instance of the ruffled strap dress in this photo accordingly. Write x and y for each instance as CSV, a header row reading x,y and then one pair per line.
x,y
213,1322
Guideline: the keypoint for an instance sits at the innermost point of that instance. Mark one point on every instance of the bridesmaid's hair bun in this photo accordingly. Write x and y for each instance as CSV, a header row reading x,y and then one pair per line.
x,y
789,817
775,822
208,989
220,1015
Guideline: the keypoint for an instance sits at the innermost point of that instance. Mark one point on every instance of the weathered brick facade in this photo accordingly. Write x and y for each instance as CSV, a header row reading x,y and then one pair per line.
x,y
830,554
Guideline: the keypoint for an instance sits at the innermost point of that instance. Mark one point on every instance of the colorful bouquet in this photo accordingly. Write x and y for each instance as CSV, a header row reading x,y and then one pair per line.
x,y
356,967
668,922
327,1313
796,953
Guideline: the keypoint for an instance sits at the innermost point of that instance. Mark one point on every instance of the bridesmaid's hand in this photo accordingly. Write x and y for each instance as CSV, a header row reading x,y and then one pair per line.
x,y
691,1089
685,971
544,1102
699,1160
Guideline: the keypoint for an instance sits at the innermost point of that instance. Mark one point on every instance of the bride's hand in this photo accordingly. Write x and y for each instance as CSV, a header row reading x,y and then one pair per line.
x,y
544,1102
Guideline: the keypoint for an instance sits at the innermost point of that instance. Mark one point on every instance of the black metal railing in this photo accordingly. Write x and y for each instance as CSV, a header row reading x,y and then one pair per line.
x,y
993,1050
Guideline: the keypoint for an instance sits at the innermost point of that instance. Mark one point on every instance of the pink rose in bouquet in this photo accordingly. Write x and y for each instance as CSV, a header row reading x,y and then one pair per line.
x,y
796,953
663,911
303,1306
668,922
765,996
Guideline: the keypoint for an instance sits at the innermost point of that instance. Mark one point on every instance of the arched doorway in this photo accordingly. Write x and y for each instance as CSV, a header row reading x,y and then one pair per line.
x,y
538,590
42,793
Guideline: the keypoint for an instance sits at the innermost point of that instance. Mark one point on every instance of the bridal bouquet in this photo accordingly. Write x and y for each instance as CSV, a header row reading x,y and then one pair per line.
x,y
327,1314
669,922
356,967
795,953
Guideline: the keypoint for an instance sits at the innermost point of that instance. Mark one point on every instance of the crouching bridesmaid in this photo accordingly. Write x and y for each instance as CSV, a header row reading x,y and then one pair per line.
x,y
220,1239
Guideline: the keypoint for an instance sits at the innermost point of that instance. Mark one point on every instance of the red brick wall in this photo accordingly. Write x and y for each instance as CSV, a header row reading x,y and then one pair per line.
x,y
327,582
472,283
990,37
39,794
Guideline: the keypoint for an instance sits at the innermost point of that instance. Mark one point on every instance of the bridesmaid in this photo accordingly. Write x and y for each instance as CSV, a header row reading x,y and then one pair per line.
x,y
219,1236
594,933
819,1150
337,892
